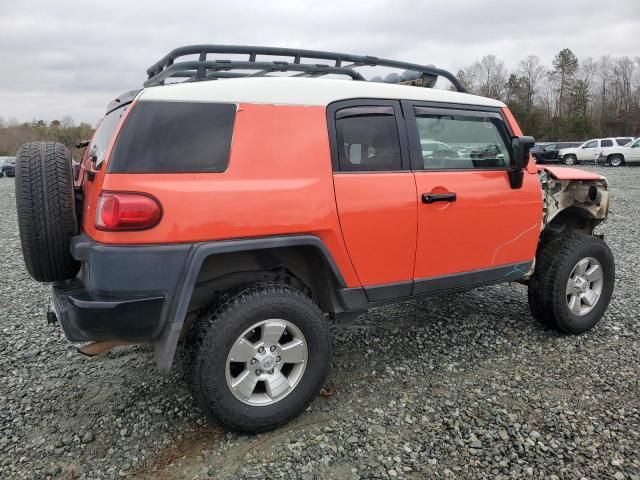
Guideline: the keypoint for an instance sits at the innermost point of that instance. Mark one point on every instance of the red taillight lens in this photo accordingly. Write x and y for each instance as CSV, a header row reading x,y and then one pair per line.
x,y
127,211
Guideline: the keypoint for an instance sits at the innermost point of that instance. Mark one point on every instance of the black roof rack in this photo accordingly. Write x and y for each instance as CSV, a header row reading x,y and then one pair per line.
x,y
339,64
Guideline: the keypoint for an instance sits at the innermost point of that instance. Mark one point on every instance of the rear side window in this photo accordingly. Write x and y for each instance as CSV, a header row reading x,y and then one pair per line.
x,y
606,143
461,140
175,137
368,139
102,138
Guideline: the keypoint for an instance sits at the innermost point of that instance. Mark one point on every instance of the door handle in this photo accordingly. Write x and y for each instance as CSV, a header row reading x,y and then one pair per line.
x,y
438,197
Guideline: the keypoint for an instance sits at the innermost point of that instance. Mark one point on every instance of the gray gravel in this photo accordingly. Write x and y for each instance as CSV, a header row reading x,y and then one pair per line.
x,y
463,386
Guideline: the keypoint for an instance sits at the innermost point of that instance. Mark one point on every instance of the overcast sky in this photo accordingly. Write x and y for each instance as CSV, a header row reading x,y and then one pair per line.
x,y
71,58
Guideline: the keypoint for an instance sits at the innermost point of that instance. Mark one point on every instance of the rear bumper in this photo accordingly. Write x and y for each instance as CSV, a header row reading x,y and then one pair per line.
x,y
85,316
121,293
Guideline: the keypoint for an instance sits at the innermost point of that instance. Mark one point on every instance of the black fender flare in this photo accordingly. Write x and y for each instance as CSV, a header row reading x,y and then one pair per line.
x,y
165,346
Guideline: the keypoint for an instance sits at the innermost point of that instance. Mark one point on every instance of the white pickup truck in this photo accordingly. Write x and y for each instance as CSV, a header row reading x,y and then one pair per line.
x,y
590,150
616,156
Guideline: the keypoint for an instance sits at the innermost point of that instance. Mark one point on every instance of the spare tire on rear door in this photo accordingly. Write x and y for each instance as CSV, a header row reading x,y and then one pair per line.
x,y
46,210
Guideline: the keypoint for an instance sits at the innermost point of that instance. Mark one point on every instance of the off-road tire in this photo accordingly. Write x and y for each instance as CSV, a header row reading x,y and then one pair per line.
x,y
213,334
570,160
46,210
615,160
555,260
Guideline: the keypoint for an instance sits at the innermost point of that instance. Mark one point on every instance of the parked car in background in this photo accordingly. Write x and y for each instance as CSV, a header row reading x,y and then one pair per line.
x,y
590,150
7,166
618,156
549,152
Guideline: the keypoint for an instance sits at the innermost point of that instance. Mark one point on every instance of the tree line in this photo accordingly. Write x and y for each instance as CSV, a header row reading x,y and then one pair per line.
x,y
570,99
13,133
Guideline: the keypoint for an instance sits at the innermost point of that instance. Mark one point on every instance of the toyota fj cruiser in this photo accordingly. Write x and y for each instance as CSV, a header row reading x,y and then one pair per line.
x,y
244,209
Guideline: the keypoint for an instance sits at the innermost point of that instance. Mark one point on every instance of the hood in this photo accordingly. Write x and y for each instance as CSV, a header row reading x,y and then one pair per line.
x,y
565,173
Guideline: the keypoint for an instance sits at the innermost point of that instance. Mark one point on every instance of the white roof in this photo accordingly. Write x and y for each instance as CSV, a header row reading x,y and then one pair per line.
x,y
302,91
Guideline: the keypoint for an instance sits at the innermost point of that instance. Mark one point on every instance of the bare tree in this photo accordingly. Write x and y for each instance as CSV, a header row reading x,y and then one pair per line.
x,y
532,72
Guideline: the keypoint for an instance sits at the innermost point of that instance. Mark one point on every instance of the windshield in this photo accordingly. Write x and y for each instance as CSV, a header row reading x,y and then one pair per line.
x,y
102,138
635,144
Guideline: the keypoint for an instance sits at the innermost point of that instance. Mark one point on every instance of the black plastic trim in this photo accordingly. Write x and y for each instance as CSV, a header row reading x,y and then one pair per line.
x,y
86,317
204,250
389,291
485,276
357,299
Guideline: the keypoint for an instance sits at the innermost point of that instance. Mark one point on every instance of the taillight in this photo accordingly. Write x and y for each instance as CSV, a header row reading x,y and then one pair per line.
x,y
127,211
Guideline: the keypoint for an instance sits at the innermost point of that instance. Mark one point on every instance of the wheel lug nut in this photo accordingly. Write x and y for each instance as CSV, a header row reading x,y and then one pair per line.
x,y
258,372
278,359
261,350
271,371
273,348
253,361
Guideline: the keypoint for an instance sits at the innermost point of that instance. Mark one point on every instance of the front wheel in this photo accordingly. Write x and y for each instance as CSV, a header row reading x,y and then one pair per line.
x,y
570,160
257,360
572,283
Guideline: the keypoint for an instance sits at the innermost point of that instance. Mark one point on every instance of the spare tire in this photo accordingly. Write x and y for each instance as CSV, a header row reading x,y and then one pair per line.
x,y
46,210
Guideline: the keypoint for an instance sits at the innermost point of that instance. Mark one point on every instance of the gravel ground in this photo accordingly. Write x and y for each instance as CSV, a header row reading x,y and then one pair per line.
x,y
463,386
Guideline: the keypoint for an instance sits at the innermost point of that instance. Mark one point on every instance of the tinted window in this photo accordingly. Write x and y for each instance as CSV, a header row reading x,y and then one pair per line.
x,y
163,137
623,141
462,141
606,143
102,138
368,142
591,144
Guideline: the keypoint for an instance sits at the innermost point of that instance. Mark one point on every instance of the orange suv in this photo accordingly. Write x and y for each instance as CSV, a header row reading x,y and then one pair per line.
x,y
243,209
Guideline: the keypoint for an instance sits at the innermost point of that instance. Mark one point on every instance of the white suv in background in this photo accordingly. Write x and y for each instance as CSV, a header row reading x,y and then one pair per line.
x,y
617,156
591,149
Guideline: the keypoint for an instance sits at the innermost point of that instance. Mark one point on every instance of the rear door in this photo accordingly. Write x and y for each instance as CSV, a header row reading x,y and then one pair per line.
x,y
375,194
473,228
606,145
632,153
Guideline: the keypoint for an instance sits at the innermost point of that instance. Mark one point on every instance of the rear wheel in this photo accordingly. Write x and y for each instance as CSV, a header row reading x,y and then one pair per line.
x,y
570,159
259,358
46,210
572,283
616,160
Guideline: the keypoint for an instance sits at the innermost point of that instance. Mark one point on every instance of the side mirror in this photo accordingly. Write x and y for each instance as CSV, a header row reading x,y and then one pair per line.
x,y
520,148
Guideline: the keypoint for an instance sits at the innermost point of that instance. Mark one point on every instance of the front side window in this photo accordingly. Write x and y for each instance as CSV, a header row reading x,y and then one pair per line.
x,y
367,139
591,144
606,143
623,141
461,141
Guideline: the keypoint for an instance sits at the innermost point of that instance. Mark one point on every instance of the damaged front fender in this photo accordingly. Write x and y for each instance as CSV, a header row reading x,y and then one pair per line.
x,y
578,204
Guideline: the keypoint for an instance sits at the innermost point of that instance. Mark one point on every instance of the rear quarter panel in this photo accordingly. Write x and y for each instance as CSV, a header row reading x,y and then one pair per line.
x,y
277,183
